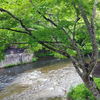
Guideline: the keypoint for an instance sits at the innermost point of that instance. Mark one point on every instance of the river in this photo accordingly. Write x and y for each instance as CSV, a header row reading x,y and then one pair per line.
x,y
45,79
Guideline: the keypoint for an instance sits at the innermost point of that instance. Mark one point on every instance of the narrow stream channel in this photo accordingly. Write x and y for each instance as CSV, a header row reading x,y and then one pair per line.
x,y
45,79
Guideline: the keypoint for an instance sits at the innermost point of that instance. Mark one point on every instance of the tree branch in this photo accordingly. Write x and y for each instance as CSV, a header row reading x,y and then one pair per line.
x,y
75,27
52,42
14,30
43,24
94,43
3,10
51,48
81,58
77,69
62,29
73,43
20,21
91,32
82,61
86,49
31,1
50,19
93,15
47,19
77,19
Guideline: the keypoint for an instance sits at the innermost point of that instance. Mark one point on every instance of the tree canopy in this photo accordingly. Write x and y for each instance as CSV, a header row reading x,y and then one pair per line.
x,y
50,22
70,28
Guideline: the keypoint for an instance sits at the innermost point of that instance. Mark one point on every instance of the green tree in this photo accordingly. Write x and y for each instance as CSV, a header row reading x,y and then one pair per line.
x,y
66,27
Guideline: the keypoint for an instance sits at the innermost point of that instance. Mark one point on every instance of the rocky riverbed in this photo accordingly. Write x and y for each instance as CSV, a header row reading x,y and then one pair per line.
x,y
50,82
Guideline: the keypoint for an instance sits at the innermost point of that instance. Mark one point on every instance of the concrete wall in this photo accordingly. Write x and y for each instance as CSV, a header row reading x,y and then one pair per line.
x,y
16,58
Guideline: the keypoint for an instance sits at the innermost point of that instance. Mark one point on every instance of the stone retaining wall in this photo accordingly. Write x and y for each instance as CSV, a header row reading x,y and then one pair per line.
x,y
16,58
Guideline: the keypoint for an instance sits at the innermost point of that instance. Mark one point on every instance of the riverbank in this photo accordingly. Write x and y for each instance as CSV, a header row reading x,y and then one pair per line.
x,y
16,59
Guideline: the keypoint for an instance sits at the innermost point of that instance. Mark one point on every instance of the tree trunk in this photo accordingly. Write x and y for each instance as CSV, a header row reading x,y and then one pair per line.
x,y
91,85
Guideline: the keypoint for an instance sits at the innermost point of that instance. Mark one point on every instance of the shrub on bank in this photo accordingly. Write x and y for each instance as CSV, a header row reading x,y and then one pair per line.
x,y
9,65
80,92
34,59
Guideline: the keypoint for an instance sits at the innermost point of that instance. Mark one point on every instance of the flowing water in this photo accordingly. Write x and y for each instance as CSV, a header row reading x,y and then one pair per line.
x,y
45,79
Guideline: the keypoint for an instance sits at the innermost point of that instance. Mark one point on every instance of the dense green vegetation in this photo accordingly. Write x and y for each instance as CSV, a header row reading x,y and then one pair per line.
x,y
63,16
44,53
68,28
80,92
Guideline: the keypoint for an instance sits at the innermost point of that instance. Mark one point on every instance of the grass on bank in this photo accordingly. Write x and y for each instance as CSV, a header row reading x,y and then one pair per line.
x,y
80,92
10,65
24,62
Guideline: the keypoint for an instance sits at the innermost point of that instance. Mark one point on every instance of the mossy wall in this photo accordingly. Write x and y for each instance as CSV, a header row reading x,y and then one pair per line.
x,y
16,58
